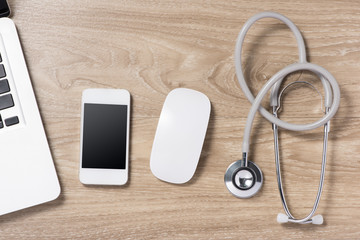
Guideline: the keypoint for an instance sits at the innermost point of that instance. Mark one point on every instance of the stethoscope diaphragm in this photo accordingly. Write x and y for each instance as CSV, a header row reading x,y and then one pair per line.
x,y
243,181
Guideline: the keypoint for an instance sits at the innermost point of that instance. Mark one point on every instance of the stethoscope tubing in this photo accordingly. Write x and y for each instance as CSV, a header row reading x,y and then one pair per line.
x,y
325,77
291,126
302,58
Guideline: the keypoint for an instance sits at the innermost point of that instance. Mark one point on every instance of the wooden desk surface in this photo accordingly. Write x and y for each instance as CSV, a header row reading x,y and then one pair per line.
x,y
152,47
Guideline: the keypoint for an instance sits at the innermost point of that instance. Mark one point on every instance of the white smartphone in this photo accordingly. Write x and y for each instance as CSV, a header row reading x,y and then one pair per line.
x,y
104,150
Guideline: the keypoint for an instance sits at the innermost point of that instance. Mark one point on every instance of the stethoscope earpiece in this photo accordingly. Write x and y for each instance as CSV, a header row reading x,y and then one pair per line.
x,y
316,220
243,180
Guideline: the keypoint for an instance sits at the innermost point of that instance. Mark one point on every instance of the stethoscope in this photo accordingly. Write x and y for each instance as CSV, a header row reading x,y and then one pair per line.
x,y
244,178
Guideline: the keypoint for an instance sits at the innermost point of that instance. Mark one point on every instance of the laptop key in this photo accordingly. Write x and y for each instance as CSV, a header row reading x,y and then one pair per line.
x,y
0,58
6,101
4,86
2,71
11,121
1,123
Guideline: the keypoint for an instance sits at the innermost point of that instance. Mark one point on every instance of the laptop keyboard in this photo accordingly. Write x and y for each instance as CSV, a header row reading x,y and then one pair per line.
x,y
6,98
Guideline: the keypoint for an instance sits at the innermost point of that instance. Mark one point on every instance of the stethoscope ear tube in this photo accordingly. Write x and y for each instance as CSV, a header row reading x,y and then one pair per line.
x,y
308,219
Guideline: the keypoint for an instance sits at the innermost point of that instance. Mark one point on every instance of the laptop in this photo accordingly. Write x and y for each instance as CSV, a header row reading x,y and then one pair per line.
x,y
27,172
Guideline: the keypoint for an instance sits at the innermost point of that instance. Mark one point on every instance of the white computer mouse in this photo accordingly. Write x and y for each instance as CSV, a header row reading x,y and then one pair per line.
x,y
180,135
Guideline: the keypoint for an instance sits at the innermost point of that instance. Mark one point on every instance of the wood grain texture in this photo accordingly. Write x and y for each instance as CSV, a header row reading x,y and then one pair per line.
x,y
152,47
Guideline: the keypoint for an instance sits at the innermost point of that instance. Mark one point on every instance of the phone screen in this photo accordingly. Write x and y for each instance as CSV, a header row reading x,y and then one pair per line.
x,y
104,136
4,9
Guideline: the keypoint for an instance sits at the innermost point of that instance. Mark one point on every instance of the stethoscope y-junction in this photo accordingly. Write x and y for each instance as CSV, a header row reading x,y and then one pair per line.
x,y
244,178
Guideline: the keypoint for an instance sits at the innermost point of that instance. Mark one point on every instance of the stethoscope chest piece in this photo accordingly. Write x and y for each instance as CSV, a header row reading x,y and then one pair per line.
x,y
243,181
